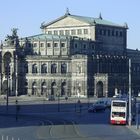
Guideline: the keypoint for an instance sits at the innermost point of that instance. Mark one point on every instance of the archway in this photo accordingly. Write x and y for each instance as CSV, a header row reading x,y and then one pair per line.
x,y
7,60
99,89
53,89
63,89
43,89
34,88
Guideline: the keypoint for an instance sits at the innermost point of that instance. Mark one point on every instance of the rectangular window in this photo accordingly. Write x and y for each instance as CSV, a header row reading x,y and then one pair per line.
x,y
85,31
120,33
55,44
112,32
61,32
35,44
100,31
67,32
49,32
48,44
73,32
108,32
55,32
104,32
41,44
116,33
85,46
62,44
92,46
79,31
119,104
75,46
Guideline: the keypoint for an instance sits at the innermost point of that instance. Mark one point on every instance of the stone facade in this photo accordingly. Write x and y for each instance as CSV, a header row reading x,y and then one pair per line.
x,y
74,56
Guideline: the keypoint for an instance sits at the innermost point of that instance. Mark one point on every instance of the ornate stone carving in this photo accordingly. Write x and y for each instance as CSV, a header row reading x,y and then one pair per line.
x,y
12,39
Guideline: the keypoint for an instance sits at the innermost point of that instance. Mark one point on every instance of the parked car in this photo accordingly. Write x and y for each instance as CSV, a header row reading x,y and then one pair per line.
x,y
105,101
97,107
51,98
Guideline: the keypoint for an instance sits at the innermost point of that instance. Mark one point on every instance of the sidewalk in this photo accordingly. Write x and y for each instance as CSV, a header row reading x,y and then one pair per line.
x,y
134,129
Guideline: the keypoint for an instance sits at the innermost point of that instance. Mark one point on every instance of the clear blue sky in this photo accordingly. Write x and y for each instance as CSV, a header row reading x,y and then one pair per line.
x,y
27,15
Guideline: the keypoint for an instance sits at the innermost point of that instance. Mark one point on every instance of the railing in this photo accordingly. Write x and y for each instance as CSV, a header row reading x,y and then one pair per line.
x,y
6,137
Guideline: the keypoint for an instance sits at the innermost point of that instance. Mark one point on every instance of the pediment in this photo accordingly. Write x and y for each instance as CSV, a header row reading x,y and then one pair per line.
x,y
67,22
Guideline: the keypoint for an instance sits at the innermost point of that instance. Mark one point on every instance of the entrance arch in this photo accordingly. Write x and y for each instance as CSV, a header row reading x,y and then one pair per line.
x,y
34,88
63,89
43,89
99,89
53,89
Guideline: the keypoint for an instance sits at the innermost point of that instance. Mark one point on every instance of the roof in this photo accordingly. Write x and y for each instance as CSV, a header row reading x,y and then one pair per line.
x,y
45,36
89,20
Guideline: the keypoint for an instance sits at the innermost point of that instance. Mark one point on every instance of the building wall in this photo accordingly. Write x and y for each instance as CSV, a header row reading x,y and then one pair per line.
x,y
71,58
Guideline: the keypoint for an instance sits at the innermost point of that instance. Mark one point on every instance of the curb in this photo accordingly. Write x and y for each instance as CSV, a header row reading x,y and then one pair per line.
x,y
134,129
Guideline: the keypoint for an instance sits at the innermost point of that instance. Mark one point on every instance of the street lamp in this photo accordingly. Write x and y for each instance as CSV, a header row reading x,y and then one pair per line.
x,y
130,114
7,73
58,102
17,109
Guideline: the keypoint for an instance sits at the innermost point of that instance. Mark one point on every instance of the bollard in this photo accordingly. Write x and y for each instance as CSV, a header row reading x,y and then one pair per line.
x,y
2,137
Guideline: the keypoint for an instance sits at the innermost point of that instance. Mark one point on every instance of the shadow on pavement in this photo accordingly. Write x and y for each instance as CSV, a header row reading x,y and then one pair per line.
x,y
48,113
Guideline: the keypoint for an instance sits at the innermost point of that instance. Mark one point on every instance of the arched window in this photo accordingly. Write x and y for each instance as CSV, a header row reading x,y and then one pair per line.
x,y
79,88
53,89
34,88
63,89
44,68
34,68
7,61
63,68
53,68
43,88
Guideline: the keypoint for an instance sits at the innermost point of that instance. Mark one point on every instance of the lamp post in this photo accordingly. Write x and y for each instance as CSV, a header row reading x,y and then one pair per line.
x,y
75,96
7,95
58,102
130,114
88,95
16,110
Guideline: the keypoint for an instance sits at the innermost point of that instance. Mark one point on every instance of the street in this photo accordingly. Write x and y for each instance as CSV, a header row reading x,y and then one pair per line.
x,y
46,122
